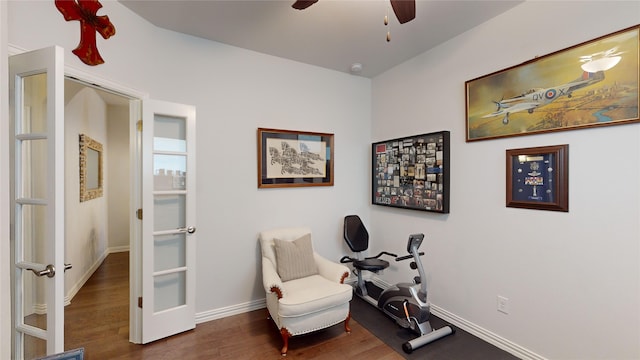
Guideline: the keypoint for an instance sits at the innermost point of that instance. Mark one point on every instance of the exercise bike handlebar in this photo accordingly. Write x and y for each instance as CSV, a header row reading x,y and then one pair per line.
x,y
410,256
383,253
346,259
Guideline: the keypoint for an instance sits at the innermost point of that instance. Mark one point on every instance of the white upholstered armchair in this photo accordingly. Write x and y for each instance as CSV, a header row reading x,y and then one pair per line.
x,y
304,291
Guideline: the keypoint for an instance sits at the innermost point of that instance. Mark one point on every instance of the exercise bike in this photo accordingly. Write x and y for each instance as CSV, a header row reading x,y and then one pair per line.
x,y
406,303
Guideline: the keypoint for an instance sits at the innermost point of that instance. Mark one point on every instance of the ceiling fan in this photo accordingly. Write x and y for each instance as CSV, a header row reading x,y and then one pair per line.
x,y
405,10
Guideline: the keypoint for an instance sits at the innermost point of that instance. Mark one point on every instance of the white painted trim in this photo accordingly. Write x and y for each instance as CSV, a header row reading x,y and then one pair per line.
x,y
230,310
13,50
475,330
6,329
78,285
135,227
117,249
486,335
103,83
42,308
92,79
445,315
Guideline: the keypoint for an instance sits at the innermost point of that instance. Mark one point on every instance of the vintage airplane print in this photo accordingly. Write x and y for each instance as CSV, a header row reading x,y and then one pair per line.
x,y
587,85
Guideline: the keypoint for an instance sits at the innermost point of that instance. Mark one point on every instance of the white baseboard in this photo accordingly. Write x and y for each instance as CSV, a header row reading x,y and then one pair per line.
x,y
42,308
230,310
80,283
473,329
456,321
486,335
117,249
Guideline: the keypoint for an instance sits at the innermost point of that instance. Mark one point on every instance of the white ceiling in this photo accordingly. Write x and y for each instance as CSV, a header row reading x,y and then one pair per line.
x,y
331,34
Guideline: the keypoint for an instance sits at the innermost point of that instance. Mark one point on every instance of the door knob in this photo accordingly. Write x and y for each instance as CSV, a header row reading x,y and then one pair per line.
x,y
49,270
190,229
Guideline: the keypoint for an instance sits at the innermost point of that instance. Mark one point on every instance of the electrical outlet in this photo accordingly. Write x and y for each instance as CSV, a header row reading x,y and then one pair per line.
x,y
503,304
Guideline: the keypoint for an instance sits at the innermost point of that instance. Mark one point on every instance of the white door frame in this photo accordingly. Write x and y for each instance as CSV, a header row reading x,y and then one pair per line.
x,y
6,323
135,202
135,256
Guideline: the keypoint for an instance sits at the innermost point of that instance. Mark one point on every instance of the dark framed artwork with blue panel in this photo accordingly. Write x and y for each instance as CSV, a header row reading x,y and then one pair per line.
x,y
412,172
538,178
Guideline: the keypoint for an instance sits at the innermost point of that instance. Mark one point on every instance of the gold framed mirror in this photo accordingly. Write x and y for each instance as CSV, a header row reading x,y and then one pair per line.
x,y
91,165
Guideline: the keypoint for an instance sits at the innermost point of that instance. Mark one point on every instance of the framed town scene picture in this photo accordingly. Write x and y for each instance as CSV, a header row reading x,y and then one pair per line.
x,y
288,158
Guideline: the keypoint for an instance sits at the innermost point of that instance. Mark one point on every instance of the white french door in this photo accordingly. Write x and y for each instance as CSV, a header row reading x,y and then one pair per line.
x,y
37,198
168,224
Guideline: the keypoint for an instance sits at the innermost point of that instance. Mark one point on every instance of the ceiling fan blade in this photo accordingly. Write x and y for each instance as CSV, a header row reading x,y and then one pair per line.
x,y
405,10
303,4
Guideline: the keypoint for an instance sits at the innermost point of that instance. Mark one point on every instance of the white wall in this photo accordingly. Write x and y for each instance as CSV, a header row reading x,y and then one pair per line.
x,y
117,182
86,223
573,291
235,91
572,279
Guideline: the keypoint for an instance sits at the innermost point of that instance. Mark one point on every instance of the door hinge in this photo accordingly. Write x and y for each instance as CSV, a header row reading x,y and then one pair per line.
x,y
140,302
139,125
139,214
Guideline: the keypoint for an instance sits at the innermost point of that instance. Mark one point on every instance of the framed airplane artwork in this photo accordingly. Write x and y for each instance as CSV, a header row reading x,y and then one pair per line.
x,y
591,84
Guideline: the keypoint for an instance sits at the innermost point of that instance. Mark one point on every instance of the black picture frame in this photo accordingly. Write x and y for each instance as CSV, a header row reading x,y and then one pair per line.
x,y
289,158
412,172
538,178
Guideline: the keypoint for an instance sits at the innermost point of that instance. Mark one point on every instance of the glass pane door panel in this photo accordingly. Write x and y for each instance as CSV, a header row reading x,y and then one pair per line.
x,y
34,348
169,134
34,114
169,291
32,231
168,212
169,172
34,303
169,251
33,169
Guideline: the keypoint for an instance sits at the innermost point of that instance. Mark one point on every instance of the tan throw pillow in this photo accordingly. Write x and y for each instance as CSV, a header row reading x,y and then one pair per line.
x,y
295,258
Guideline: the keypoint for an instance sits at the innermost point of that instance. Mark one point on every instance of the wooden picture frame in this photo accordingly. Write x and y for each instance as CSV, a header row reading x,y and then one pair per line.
x,y
588,85
538,178
412,172
289,158
91,168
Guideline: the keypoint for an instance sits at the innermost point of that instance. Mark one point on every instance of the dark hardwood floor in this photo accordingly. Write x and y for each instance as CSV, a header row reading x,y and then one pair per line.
x,y
98,320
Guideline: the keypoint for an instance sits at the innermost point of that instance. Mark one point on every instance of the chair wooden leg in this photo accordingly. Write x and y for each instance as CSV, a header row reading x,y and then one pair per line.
x,y
285,341
346,323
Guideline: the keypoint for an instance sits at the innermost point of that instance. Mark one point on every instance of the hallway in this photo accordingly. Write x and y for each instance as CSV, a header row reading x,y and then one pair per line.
x,y
98,316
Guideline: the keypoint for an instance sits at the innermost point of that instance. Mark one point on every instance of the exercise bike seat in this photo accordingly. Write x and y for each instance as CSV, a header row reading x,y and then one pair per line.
x,y
357,238
373,265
